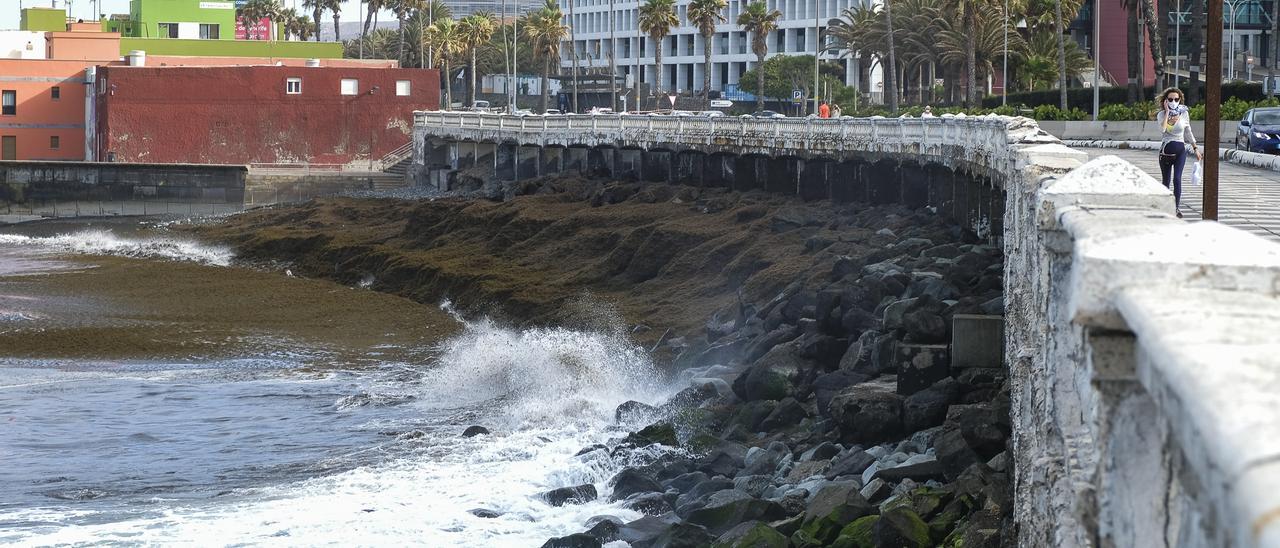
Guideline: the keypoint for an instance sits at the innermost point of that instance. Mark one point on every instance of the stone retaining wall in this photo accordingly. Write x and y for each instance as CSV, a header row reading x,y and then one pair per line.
x,y
1144,351
26,181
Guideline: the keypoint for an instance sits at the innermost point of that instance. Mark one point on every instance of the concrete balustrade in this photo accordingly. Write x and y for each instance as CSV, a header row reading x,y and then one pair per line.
x,y
1144,351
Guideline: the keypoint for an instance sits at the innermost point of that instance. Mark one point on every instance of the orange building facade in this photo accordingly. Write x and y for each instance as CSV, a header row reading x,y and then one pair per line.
x,y
43,106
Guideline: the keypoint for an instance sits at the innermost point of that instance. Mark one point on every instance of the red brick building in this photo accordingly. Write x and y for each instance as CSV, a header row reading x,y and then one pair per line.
x,y
258,114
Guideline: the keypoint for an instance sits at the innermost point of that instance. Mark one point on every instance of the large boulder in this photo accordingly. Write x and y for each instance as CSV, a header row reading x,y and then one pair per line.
x,y
831,508
827,385
576,540
634,412
631,481
928,408
680,535
870,412
720,518
954,453
764,460
751,534
920,365
723,460
787,414
901,528
851,462
653,504
570,495
860,533
663,433
772,377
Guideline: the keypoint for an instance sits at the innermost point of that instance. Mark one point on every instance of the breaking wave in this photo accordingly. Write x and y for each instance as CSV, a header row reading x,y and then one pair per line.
x,y
106,242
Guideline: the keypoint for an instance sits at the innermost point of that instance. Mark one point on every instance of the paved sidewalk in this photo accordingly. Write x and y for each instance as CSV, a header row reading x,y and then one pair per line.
x,y
1248,197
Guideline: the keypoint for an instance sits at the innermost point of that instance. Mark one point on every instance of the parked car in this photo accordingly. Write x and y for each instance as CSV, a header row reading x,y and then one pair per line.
x,y
524,112
768,114
1259,131
711,113
553,112
601,111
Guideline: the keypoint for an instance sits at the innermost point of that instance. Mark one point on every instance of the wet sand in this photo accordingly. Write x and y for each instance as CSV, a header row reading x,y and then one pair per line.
x,y
105,307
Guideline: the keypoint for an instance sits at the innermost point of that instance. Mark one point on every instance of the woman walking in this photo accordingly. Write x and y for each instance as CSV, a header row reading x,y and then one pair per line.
x,y
1175,135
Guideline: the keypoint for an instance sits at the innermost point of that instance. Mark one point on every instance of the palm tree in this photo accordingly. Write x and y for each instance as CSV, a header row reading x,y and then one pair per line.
x,y
435,10
1062,56
891,84
477,30
657,17
759,21
317,8
705,14
545,30
373,7
334,6
446,39
402,9
1155,44
257,10
858,33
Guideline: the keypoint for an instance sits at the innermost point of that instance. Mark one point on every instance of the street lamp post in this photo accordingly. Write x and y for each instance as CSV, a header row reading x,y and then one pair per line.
x,y
817,34
1177,44
1004,74
1097,65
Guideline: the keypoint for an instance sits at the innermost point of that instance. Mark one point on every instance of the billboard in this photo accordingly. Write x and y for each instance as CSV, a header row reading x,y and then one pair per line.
x,y
259,30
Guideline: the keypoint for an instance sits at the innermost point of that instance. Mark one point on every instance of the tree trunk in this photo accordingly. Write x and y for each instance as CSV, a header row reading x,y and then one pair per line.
x,y
657,66
400,25
759,81
1062,57
706,69
546,76
891,70
1275,34
971,54
1134,52
448,84
315,17
364,31
472,74
337,35
1153,40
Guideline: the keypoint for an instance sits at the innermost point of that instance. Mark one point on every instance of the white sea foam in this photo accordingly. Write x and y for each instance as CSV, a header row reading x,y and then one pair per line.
x,y
545,394
106,242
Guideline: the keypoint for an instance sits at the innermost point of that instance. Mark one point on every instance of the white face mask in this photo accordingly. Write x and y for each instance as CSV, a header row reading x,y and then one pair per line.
x,y
1173,103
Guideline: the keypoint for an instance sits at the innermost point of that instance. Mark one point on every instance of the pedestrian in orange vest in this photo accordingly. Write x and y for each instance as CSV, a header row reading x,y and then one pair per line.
x,y
824,111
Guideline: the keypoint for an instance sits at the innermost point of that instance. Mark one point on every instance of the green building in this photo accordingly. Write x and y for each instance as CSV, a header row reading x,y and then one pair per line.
x,y
43,20
204,28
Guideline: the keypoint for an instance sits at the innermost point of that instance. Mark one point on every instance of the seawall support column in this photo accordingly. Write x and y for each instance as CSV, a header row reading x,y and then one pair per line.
x,y
816,178
656,165
505,157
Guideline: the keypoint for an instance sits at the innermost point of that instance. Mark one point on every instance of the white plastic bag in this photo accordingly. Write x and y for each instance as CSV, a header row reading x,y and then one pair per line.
x,y
1197,173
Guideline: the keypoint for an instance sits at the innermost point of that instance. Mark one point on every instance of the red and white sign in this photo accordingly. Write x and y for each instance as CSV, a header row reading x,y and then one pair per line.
x,y
261,30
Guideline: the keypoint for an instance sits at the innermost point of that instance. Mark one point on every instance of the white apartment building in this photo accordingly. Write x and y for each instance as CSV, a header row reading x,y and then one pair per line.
x,y
683,54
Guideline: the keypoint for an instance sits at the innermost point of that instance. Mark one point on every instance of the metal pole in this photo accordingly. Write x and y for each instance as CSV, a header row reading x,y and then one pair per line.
x,y
506,59
1231,49
639,50
1004,75
817,34
613,65
515,41
431,4
1177,43
1212,108
1097,54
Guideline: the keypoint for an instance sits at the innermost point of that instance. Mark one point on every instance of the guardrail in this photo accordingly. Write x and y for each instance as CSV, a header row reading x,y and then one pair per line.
x,y
979,140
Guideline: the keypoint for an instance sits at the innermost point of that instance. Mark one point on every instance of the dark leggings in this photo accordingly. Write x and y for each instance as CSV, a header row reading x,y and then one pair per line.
x,y
1180,150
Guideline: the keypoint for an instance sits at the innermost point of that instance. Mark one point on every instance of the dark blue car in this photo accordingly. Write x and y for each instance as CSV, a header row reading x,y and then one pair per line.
x,y
1259,131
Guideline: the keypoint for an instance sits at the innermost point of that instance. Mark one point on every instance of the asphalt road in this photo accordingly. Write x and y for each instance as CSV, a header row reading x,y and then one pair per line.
x,y
1248,197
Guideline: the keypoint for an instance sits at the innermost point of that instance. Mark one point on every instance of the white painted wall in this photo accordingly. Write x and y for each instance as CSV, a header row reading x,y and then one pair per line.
x,y
22,44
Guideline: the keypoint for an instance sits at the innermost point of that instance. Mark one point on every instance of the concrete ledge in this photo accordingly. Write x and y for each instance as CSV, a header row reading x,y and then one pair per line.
x,y
1208,358
1241,157
1106,182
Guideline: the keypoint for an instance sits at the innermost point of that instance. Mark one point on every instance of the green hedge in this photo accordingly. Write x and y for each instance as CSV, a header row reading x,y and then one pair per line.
x,y
1082,98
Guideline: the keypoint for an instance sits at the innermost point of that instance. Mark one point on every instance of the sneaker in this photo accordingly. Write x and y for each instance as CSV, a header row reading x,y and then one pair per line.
x,y
1179,214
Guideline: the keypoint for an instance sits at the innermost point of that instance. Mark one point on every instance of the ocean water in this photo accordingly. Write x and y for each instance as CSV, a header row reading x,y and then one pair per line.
x,y
292,442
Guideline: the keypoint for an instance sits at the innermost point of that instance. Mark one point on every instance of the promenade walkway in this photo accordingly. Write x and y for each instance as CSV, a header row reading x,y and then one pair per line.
x,y
1248,197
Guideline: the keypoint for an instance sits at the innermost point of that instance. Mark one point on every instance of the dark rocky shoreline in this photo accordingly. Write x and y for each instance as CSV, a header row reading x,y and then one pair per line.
x,y
823,405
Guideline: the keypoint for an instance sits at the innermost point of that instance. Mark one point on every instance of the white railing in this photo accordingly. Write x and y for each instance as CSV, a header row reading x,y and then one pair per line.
x,y
985,139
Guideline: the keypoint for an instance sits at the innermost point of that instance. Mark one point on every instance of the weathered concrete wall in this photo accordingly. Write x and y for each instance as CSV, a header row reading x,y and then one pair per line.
x,y
1128,130
1144,352
62,181
1143,362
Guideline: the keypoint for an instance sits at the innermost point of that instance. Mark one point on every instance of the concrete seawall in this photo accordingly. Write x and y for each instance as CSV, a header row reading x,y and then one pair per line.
x,y
1144,370
25,182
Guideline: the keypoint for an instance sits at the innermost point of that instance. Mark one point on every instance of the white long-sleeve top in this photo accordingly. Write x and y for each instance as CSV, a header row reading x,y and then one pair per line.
x,y
1177,132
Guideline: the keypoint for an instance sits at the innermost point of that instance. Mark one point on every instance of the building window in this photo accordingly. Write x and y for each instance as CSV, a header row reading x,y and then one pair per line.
x,y
350,86
56,93
208,32
402,87
293,86
55,142
168,30
9,102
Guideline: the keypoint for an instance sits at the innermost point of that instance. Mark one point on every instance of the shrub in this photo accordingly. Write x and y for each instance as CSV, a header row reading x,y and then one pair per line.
x,y
1052,112
1121,113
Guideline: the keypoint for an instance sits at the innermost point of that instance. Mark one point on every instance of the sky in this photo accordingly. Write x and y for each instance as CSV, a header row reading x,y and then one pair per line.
x,y
83,9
